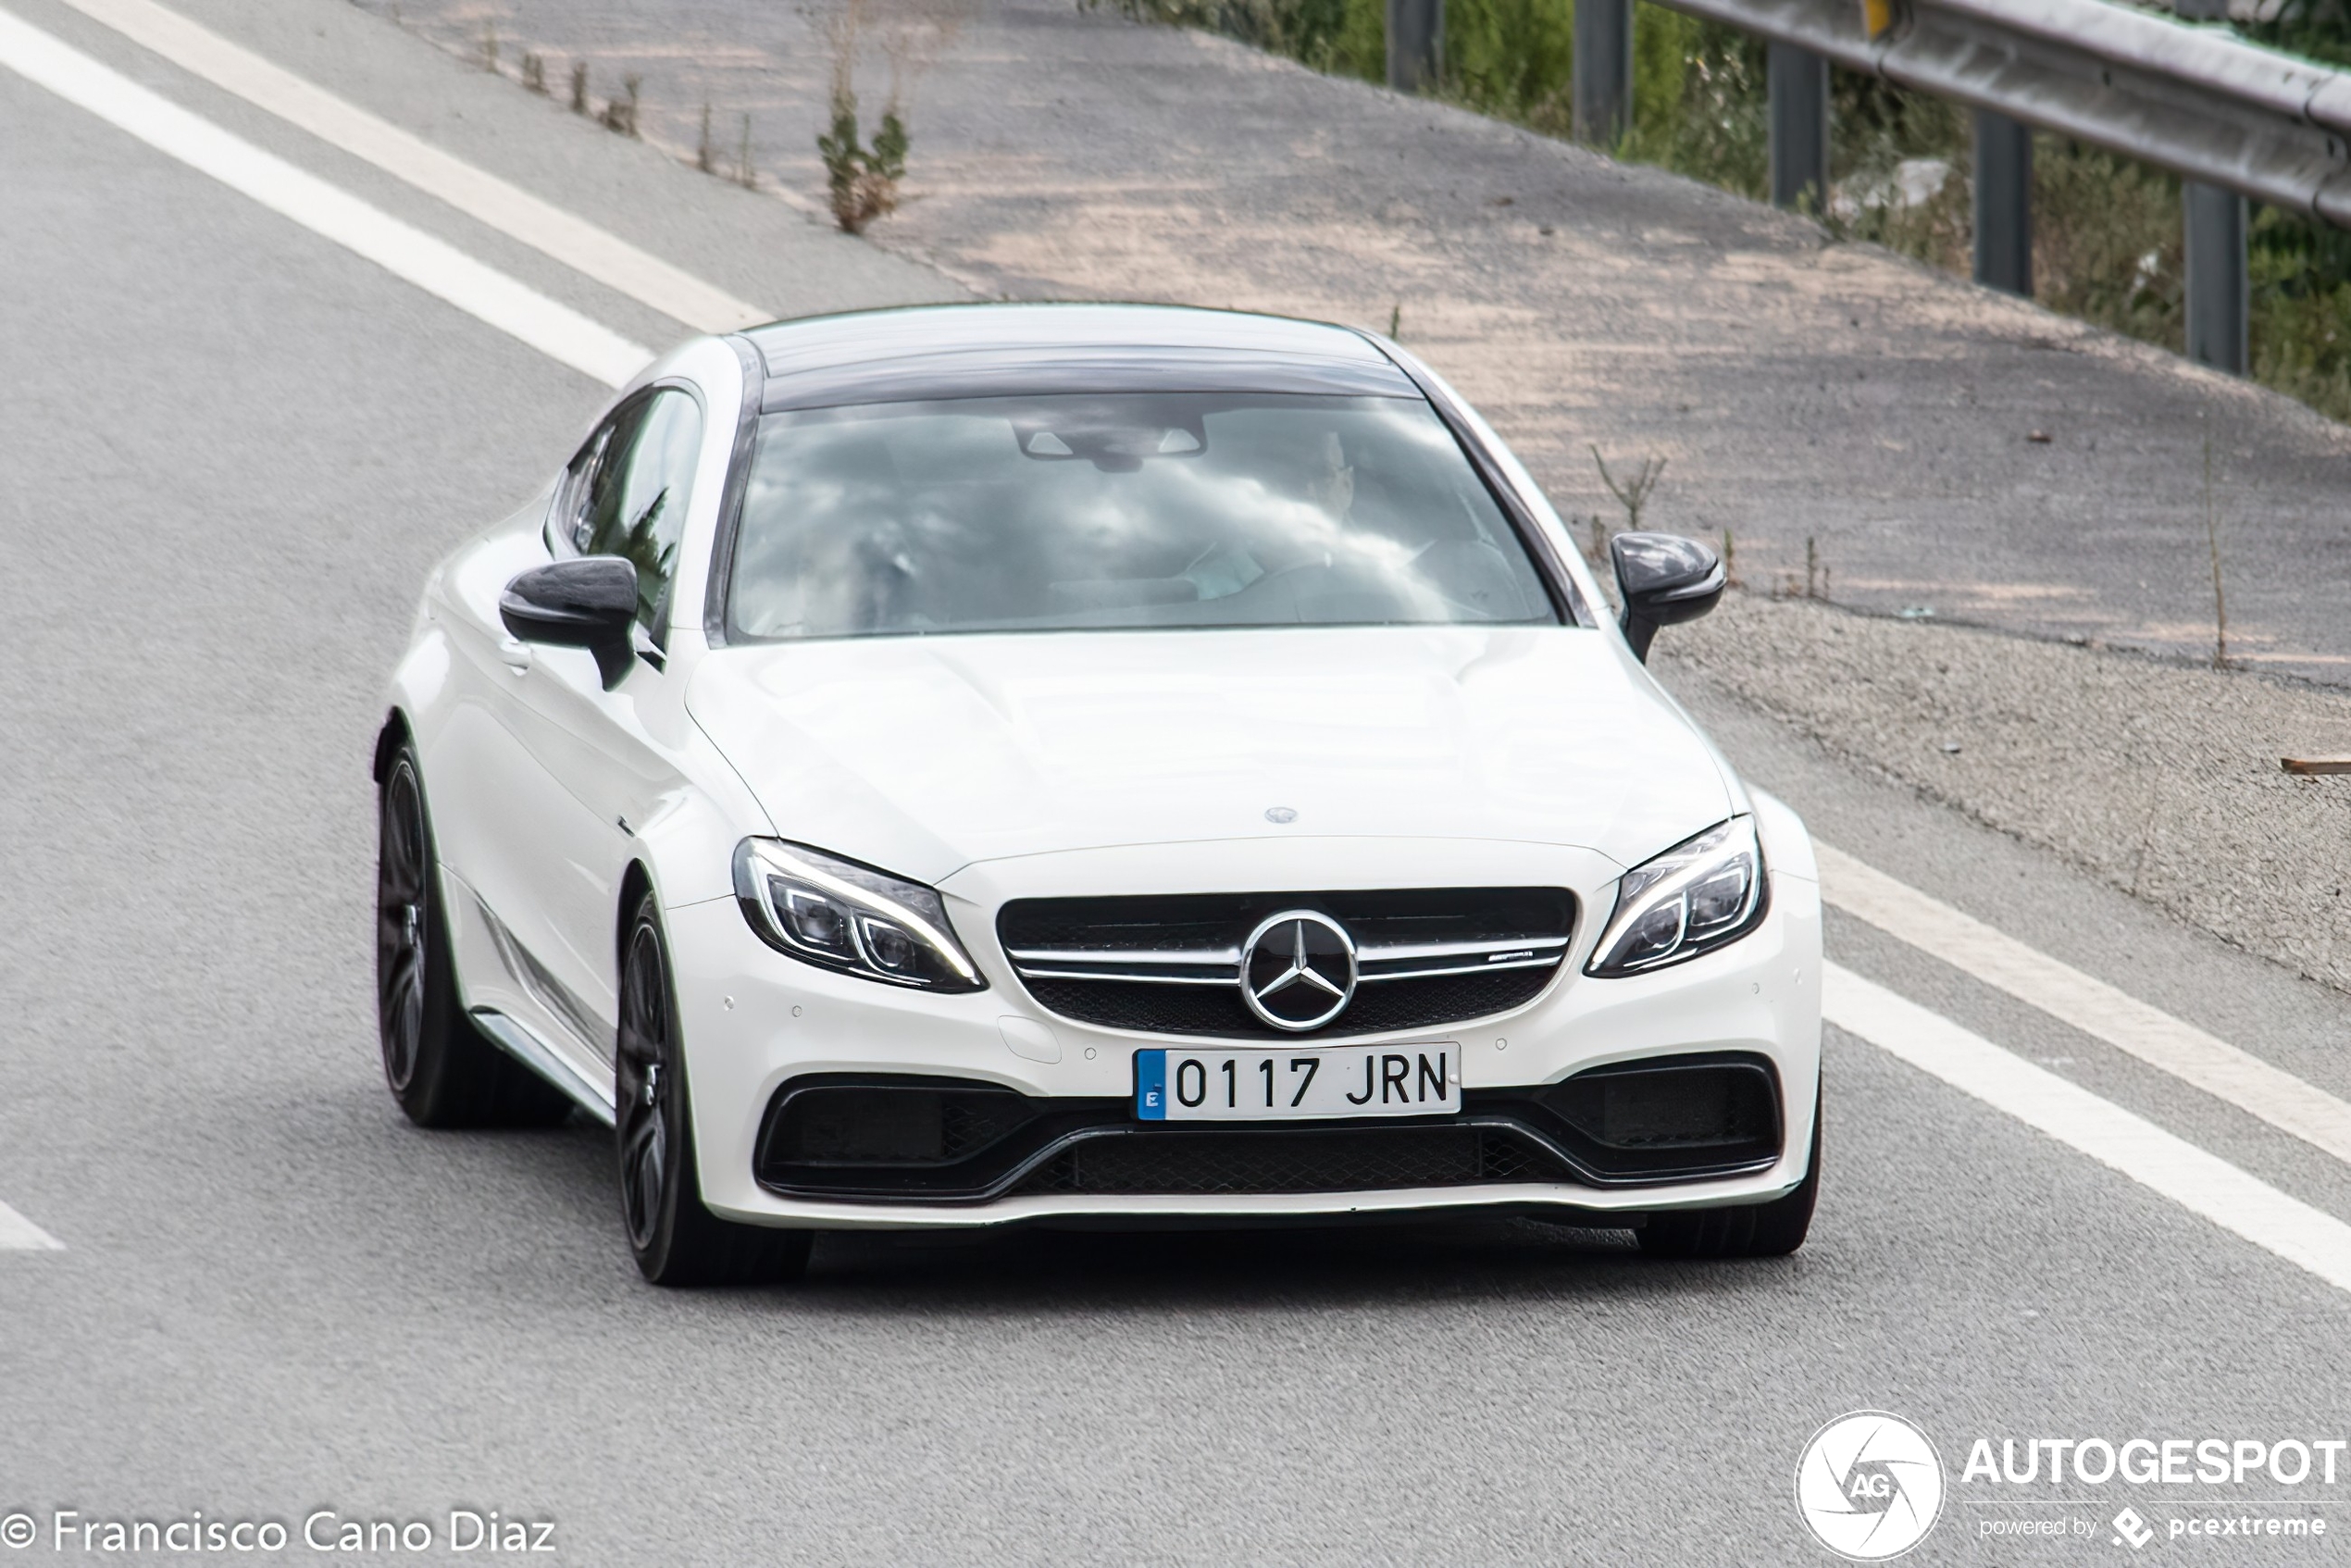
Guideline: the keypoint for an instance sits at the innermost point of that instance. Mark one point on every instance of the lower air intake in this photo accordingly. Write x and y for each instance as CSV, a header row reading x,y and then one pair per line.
x,y
1267,1162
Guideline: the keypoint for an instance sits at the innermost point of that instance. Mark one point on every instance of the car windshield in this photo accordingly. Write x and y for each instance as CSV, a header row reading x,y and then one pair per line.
x,y
1120,511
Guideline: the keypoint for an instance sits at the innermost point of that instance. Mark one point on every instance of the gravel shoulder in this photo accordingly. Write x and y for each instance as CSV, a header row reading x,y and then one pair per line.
x,y
2159,779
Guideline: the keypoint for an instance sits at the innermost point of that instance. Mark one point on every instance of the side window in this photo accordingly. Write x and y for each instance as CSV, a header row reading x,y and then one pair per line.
x,y
632,495
567,525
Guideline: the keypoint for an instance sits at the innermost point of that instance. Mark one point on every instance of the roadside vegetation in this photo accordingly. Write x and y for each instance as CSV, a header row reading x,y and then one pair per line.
x,y
862,179
2107,241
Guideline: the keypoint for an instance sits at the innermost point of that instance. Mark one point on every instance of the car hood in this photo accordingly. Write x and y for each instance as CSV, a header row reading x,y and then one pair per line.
x,y
921,755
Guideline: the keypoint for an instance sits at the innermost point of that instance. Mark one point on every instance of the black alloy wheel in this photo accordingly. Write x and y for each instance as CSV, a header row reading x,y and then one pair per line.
x,y
438,1066
1748,1230
642,1110
401,871
675,1240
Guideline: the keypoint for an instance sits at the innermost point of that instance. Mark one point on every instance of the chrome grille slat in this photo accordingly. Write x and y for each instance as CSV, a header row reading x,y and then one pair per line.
x,y
1228,956
1145,978
1550,962
1376,951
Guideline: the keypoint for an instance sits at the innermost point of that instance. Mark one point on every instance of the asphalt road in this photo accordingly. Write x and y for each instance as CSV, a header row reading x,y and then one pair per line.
x,y
231,450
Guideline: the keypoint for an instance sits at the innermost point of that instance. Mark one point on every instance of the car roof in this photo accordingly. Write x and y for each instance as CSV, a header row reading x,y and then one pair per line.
x,y
1016,349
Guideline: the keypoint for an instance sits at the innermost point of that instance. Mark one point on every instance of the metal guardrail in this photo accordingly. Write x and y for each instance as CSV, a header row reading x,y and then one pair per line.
x,y
2196,100
2238,123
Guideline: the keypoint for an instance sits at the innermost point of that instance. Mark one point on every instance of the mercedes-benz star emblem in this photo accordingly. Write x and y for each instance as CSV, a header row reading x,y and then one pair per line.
x,y
1298,969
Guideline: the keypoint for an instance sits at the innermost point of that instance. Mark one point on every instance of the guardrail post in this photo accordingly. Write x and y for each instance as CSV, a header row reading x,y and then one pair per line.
x,y
1603,71
1797,82
1415,44
2220,292
2003,203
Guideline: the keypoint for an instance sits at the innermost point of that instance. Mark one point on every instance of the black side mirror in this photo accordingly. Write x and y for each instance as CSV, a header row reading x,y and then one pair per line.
x,y
1663,580
589,603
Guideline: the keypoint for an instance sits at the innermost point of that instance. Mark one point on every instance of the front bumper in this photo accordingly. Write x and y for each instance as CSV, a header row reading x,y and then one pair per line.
x,y
754,1020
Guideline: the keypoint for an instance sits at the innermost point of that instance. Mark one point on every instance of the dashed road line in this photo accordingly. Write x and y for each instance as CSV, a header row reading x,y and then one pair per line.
x,y
19,1234
2196,1179
2088,1005
407,252
483,196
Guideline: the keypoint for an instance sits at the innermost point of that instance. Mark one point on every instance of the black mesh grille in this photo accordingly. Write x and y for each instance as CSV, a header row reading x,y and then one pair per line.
x,y
1405,914
1287,1161
893,1125
1701,1103
1201,922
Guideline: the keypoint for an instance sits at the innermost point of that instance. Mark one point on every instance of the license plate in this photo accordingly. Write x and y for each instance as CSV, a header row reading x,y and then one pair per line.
x,y
1266,1086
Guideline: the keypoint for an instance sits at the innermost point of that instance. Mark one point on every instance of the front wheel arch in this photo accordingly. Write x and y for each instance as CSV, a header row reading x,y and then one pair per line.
x,y
636,885
388,739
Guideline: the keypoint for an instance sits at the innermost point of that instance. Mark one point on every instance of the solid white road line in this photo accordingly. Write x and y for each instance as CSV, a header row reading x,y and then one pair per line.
x,y
19,1234
2090,1005
484,197
2202,1183
409,252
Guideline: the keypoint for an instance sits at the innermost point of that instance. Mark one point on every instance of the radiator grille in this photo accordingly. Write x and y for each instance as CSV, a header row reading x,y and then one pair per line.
x,y
1424,958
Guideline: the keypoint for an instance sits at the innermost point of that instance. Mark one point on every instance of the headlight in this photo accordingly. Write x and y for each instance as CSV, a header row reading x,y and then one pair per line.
x,y
839,915
1692,899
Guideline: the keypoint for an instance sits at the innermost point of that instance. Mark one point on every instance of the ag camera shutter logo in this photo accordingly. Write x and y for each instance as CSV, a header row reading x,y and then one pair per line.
x,y
1869,1486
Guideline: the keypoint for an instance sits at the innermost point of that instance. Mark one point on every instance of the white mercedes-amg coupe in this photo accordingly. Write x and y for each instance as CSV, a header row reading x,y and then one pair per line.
x,y
1084,764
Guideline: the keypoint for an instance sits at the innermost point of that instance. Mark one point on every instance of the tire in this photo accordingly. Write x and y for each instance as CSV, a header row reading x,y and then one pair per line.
x,y
675,1240
1748,1230
441,1068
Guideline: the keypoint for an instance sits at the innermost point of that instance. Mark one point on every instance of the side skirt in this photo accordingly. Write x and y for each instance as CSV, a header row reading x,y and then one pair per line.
x,y
517,1041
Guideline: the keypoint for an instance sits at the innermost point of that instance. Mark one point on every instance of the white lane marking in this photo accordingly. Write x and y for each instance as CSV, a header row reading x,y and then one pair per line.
x,y
2203,1183
483,196
2090,1005
19,1234
437,267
